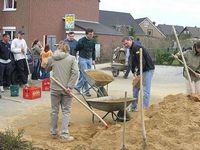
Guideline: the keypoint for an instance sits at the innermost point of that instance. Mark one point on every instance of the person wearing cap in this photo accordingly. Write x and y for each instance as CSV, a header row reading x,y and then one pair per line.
x,y
5,61
71,42
19,49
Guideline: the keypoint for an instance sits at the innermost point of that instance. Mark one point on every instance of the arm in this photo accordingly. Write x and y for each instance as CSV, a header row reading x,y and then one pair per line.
x,y
74,74
49,64
94,53
14,49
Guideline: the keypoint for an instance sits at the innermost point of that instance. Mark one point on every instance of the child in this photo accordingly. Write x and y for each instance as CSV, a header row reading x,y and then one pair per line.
x,y
45,54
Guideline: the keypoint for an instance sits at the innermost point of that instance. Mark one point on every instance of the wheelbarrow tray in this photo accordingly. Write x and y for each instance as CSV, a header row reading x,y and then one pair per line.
x,y
108,103
97,78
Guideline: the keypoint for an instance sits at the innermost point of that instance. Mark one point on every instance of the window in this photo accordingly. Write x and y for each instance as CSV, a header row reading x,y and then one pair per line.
x,y
10,5
11,31
150,32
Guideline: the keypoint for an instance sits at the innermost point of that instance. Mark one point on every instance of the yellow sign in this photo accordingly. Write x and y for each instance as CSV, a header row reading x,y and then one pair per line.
x,y
69,21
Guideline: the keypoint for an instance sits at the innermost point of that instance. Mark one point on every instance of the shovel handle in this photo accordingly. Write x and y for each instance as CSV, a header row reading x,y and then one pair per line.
x,y
74,96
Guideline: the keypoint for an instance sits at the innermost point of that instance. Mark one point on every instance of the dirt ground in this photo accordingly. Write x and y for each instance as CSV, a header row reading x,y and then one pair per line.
x,y
172,123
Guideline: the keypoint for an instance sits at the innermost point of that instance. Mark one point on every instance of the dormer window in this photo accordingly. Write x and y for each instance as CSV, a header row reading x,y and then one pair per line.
x,y
10,5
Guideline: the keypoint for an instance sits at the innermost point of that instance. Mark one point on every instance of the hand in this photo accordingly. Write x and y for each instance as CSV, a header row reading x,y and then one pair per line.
x,y
175,56
68,91
93,62
22,50
197,75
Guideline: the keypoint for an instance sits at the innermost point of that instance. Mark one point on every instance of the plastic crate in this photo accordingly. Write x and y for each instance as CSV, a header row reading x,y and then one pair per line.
x,y
46,85
31,92
14,90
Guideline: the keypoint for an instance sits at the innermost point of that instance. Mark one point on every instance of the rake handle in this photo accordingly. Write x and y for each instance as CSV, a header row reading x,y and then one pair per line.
x,y
87,107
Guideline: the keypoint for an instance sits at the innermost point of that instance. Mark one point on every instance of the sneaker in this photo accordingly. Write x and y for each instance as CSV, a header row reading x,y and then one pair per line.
x,y
7,88
88,94
66,138
1,89
54,136
132,109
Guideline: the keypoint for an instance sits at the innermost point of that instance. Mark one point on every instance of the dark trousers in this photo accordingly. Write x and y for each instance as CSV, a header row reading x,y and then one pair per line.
x,y
22,70
5,74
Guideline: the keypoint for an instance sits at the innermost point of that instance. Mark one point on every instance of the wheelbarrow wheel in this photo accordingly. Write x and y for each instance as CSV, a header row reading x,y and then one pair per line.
x,y
115,73
101,92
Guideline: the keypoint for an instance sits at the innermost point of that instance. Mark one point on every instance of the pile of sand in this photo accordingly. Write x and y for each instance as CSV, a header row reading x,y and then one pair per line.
x,y
172,124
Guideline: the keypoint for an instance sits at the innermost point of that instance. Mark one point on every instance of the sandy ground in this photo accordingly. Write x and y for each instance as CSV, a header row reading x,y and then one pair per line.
x,y
162,119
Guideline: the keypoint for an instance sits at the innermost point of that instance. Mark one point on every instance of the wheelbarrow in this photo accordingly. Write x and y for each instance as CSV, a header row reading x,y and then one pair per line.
x,y
97,79
109,105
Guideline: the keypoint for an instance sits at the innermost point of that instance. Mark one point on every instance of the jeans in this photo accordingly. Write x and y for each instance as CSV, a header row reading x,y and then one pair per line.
x,y
83,65
36,71
60,98
45,74
147,77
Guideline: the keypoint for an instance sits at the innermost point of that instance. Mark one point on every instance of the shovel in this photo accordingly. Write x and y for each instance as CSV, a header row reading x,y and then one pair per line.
x,y
87,107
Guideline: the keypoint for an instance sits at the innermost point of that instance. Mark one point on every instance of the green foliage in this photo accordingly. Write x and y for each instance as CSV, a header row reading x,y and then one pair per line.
x,y
13,141
164,57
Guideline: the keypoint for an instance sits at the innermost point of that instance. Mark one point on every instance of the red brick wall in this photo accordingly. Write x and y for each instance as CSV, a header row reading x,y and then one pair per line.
x,y
46,15
108,44
18,18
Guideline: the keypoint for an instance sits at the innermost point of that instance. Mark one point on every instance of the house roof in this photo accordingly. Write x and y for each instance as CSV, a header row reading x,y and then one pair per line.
x,y
194,31
167,29
97,27
112,18
141,20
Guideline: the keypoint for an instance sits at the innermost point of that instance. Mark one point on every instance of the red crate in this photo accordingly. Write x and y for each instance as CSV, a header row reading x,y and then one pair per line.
x,y
32,92
46,85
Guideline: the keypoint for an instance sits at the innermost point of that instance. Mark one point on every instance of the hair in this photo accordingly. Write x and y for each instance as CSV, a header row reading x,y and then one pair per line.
x,y
46,48
35,42
138,39
127,38
5,34
197,45
88,30
71,32
63,47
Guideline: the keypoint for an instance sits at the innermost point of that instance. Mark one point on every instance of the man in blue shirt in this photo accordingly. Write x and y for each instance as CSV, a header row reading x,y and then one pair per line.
x,y
71,42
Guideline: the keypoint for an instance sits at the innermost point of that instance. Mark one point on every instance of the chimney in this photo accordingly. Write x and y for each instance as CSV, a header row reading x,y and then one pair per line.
x,y
154,23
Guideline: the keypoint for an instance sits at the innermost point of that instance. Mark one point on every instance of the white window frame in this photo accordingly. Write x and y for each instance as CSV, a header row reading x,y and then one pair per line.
x,y
8,9
12,29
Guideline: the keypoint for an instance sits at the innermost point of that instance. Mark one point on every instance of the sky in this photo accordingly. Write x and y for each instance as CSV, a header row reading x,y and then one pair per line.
x,y
171,12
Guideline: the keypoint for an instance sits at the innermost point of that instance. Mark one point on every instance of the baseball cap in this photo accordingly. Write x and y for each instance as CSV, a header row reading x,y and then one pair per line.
x,y
20,32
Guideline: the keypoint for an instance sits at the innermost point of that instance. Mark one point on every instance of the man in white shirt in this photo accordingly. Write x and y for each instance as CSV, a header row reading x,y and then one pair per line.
x,y
19,49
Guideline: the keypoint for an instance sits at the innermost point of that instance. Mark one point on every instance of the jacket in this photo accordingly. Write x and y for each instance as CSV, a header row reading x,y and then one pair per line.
x,y
5,51
16,47
86,48
36,50
135,59
192,59
45,56
64,68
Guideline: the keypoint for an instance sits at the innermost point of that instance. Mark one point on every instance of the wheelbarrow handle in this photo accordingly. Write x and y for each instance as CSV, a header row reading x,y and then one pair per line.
x,y
87,107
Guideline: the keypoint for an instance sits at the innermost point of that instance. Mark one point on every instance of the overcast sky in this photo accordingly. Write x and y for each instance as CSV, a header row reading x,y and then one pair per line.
x,y
173,12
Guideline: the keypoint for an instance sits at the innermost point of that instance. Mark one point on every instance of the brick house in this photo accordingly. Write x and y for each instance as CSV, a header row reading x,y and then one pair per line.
x,y
45,17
